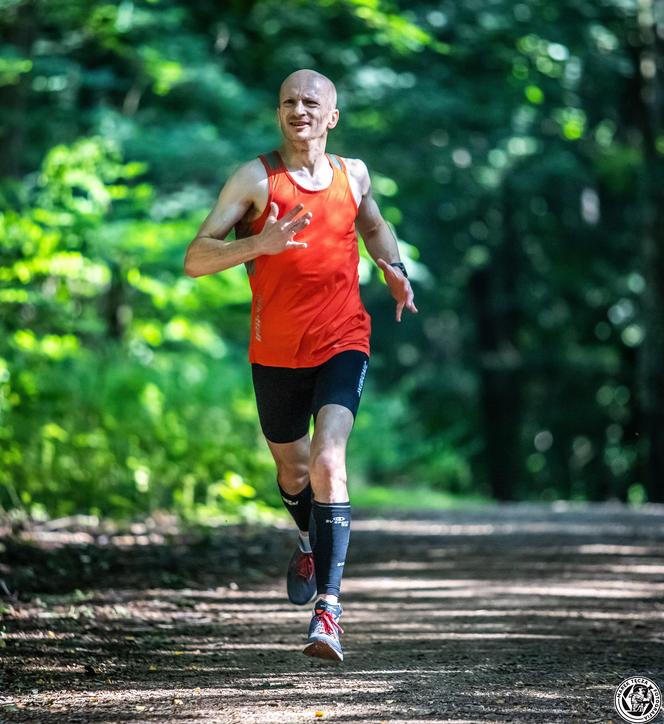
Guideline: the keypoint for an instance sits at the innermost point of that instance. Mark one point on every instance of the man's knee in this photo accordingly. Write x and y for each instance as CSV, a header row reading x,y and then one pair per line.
x,y
328,467
293,477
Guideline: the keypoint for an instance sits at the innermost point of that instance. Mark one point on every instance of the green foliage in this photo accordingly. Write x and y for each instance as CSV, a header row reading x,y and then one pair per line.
x,y
120,395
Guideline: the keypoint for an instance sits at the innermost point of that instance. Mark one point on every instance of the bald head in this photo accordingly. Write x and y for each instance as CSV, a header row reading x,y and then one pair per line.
x,y
310,81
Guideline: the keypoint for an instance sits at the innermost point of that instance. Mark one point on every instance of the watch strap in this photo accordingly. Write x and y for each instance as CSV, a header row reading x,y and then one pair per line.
x,y
400,266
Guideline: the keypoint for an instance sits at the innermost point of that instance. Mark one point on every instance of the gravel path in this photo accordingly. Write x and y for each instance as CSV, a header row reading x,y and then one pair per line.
x,y
512,613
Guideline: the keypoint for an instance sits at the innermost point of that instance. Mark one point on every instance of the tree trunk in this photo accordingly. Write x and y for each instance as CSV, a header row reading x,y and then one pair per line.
x,y
113,304
14,98
493,289
648,60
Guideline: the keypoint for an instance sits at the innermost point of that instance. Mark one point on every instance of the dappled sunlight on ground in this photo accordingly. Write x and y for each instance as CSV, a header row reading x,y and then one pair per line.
x,y
502,615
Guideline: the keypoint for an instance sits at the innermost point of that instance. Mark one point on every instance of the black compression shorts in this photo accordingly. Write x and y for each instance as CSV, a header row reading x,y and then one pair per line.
x,y
287,398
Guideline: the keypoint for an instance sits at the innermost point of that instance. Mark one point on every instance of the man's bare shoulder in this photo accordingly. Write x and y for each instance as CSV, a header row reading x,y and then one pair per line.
x,y
249,175
356,166
359,171
248,187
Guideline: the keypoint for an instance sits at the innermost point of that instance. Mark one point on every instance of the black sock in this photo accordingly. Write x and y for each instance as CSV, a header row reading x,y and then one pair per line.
x,y
329,533
299,506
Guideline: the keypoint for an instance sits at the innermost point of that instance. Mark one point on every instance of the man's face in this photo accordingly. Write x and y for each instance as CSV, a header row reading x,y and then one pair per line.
x,y
306,108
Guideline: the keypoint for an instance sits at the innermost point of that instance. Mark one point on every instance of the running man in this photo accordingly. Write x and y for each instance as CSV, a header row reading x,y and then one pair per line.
x,y
295,211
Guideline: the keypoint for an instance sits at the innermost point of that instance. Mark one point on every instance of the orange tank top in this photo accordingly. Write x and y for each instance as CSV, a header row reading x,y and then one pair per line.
x,y
306,304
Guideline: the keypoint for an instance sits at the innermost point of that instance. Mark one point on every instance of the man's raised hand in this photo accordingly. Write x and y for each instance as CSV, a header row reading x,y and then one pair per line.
x,y
277,234
399,287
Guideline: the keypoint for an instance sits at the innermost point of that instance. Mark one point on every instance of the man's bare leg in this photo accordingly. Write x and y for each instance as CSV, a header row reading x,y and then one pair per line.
x,y
327,460
292,461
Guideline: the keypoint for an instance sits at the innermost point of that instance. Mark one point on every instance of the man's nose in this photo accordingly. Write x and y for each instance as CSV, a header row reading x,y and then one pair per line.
x,y
298,107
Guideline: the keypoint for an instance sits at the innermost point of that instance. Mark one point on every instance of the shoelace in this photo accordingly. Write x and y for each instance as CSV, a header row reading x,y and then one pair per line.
x,y
328,621
305,566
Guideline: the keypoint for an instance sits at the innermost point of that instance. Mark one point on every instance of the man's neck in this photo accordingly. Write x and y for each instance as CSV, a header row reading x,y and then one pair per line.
x,y
309,155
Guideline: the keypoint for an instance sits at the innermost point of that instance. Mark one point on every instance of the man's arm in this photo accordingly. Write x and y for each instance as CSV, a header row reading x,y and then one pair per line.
x,y
379,239
209,253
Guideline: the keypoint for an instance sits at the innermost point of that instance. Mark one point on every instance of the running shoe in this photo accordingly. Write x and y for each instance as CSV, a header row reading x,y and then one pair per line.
x,y
301,576
324,630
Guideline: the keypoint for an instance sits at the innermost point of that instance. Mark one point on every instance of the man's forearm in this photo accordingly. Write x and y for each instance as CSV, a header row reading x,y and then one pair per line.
x,y
207,255
381,244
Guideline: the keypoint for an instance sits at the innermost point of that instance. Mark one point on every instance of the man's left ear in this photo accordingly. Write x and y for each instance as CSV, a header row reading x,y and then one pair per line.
x,y
334,119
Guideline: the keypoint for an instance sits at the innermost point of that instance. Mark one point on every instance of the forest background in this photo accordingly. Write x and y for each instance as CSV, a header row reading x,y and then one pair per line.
x,y
515,147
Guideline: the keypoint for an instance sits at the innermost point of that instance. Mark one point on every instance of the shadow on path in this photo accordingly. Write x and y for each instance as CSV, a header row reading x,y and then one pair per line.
x,y
509,613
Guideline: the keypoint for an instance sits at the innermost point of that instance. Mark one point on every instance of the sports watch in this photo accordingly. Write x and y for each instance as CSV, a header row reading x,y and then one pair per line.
x,y
400,266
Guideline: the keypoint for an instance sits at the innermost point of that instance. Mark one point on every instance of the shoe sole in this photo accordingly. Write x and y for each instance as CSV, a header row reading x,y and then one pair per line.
x,y
322,650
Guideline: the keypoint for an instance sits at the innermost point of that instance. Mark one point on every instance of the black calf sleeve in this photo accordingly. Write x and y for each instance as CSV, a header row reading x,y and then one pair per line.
x,y
299,506
329,535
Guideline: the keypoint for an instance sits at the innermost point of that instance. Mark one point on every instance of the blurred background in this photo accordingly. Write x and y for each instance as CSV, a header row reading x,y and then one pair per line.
x,y
515,147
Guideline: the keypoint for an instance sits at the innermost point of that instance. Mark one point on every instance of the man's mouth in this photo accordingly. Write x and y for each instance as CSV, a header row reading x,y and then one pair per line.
x,y
299,124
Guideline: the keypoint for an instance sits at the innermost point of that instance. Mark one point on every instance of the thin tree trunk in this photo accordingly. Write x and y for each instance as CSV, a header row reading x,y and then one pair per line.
x,y
495,300
113,303
648,61
14,98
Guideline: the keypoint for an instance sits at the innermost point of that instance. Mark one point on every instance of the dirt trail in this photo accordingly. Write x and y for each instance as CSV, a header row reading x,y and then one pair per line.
x,y
514,613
